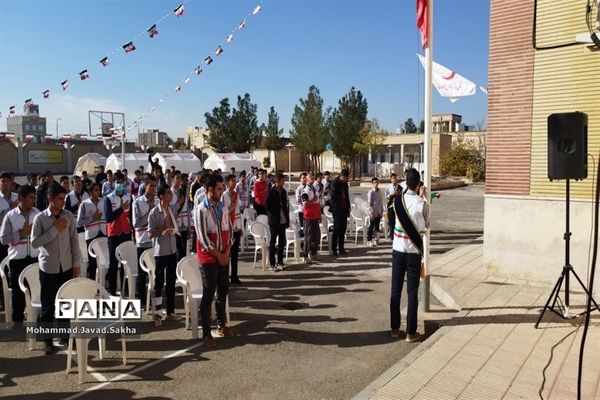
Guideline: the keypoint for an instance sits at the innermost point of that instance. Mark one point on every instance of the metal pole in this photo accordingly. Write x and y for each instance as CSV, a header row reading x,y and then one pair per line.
x,y
290,167
123,143
425,285
567,249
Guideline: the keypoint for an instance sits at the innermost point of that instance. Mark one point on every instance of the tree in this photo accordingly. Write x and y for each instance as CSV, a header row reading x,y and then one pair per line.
x,y
371,139
422,126
245,134
233,131
464,159
310,130
409,126
346,123
219,125
273,140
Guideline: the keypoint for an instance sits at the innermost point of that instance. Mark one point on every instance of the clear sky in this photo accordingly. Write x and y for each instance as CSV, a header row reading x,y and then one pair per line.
x,y
291,44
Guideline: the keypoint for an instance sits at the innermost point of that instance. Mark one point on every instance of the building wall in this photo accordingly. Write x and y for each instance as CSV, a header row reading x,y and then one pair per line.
x,y
525,213
510,96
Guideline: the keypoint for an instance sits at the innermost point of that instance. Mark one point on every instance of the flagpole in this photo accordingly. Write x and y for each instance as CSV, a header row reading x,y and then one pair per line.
x,y
425,284
123,144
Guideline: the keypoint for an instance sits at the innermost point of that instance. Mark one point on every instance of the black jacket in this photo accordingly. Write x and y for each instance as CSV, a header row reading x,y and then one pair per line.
x,y
340,199
275,201
41,197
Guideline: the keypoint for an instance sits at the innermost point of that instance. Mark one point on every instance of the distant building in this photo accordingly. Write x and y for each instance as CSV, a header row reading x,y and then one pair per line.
x,y
152,138
197,138
30,123
446,123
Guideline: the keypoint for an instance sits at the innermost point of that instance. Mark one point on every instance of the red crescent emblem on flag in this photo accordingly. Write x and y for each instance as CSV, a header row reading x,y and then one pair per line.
x,y
452,74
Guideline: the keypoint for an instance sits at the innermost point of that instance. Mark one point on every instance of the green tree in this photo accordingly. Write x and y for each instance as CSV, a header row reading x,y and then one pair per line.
x,y
219,125
347,121
233,131
371,138
273,139
464,159
310,128
245,134
422,126
409,126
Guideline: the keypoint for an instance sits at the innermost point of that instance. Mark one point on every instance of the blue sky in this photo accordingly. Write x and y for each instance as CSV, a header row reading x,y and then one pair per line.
x,y
290,45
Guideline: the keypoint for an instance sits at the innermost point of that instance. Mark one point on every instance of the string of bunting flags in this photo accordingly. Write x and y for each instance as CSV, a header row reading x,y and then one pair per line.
x,y
128,47
199,69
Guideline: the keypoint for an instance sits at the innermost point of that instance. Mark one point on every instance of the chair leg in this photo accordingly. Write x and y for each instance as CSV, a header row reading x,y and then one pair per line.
x,y
194,314
101,347
149,289
124,350
82,349
69,355
255,255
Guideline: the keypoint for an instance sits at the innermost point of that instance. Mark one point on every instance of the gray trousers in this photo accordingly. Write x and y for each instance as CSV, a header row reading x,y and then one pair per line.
x,y
312,233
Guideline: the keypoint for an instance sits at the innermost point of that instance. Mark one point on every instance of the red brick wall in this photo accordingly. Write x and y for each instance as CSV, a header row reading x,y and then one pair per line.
x,y
510,101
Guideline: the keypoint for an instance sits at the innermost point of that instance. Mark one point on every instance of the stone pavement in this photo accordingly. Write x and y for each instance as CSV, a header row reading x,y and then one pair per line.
x,y
490,348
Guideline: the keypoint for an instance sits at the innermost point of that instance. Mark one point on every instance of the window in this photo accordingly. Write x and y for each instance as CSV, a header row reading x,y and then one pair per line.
x,y
26,127
41,128
34,127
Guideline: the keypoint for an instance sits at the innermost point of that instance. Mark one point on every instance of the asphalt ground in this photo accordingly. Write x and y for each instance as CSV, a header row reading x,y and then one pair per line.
x,y
308,332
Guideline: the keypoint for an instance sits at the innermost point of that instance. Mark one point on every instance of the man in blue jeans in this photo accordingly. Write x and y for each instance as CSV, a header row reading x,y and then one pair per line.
x,y
412,219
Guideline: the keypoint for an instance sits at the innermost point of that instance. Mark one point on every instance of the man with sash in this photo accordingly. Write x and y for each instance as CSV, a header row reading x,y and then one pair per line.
x,y
141,210
412,220
91,218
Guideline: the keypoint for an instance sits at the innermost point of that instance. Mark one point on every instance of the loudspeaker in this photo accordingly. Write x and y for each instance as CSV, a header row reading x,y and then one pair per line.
x,y
567,146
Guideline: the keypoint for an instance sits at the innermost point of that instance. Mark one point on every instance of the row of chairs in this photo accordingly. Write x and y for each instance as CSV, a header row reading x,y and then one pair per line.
x,y
188,278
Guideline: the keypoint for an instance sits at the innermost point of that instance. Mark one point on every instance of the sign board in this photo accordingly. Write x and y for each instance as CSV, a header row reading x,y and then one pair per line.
x,y
44,157
106,129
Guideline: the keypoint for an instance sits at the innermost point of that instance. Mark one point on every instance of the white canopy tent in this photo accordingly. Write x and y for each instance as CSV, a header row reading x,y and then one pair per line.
x,y
89,162
226,161
132,162
184,162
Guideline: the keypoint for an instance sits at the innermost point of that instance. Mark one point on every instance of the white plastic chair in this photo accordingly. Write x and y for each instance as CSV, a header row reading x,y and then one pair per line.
x,y
324,228
84,288
99,250
188,273
259,232
33,302
148,265
358,217
7,292
292,237
126,254
84,252
249,216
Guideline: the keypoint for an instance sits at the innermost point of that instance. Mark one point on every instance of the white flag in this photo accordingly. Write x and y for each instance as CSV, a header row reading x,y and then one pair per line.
x,y
448,83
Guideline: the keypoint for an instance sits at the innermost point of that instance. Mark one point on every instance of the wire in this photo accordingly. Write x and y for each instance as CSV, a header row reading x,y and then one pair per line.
x,y
588,309
555,46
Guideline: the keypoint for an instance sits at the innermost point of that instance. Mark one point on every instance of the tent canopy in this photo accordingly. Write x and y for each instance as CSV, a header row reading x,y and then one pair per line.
x,y
184,162
226,161
89,162
132,162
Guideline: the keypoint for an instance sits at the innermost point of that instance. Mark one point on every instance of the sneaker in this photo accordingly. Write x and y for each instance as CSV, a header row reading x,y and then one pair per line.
x,y
395,333
334,254
279,267
226,331
236,281
209,341
343,252
369,243
410,338
173,317
273,269
62,342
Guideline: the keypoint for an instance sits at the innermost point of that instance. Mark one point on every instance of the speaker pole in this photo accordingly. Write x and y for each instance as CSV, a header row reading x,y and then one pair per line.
x,y
567,237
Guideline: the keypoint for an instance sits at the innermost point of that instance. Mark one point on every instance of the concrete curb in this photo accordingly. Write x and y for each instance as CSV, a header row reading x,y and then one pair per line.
x,y
401,365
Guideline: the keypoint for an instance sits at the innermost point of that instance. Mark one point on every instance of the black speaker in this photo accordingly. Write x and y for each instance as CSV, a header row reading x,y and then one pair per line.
x,y
567,146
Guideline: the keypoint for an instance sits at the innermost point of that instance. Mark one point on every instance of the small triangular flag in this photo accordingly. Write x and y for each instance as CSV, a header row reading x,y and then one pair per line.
x,y
65,84
152,31
229,38
84,75
11,110
179,11
219,51
208,60
187,80
104,61
257,10
198,70
46,94
242,25
177,88
129,47
27,101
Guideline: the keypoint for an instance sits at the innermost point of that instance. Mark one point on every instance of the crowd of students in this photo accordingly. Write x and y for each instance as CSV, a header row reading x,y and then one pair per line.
x,y
161,210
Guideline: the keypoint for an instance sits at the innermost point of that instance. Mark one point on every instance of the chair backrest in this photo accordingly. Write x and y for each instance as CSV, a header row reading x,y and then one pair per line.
x,y
258,230
5,289
324,226
82,288
326,212
188,271
147,261
263,219
83,246
99,249
249,214
127,252
31,275
357,214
